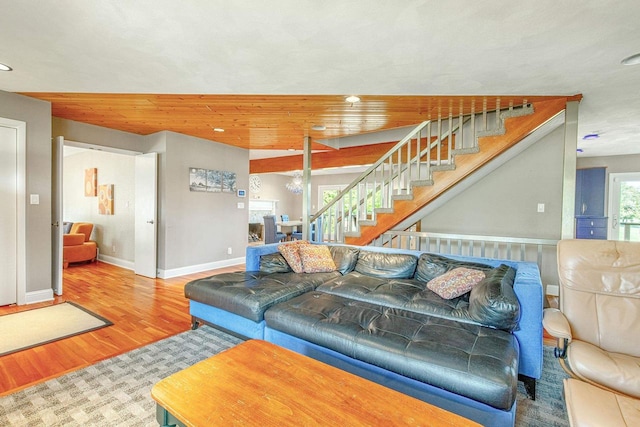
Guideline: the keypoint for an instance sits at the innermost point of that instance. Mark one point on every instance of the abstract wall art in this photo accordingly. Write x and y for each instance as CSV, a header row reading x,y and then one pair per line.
x,y
90,182
105,199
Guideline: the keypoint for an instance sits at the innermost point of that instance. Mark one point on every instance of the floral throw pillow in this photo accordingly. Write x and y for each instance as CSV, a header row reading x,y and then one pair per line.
x,y
456,282
316,259
290,252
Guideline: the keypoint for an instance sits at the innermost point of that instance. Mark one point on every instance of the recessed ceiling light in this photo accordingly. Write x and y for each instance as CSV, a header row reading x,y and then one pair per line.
x,y
218,130
4,67
591,136
631,60
318,127
352,99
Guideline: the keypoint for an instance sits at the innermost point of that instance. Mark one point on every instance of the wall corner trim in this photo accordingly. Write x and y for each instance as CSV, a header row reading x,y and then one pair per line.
x,y
39,296
181,271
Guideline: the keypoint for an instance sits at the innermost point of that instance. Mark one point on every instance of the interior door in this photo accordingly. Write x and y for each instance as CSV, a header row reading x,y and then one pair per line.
x,y
146,214
56,213
8,215
624,206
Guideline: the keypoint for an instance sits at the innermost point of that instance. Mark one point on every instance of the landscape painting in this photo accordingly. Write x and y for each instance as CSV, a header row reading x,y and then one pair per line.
x,y
197,179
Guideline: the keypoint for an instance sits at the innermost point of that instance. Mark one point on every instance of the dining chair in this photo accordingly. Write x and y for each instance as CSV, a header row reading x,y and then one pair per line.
x,y
314,237
271,234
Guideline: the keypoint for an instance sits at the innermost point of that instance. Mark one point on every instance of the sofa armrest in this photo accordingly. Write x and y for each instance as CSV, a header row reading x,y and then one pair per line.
x,y
72,239
556,324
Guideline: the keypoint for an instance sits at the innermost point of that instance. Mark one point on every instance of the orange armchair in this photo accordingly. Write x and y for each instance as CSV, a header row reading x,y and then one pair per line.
x,y
76,245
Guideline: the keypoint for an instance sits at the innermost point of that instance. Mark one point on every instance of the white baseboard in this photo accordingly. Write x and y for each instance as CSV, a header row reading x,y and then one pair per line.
x,y
553,290
39,296
129,265
182,271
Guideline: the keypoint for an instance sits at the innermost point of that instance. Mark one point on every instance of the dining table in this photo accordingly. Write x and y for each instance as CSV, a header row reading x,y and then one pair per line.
x,y
288,227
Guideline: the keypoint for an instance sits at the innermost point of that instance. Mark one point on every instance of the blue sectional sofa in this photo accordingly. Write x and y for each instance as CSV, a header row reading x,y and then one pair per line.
x,y
373,316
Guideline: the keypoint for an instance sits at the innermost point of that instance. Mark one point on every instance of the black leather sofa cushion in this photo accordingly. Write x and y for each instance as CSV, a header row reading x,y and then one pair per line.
x,y
408,294
249,294
345,258
432,265
470,360
493,301
274,263
387,266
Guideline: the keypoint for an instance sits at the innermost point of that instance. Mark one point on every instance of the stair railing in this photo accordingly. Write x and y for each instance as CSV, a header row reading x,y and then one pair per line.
x,y
429,147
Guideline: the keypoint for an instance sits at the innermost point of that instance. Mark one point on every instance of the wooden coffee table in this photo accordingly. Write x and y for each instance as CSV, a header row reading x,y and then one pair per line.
x,y
260,384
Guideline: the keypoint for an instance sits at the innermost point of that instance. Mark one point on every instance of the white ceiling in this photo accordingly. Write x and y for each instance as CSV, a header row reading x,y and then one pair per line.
x,y
461,47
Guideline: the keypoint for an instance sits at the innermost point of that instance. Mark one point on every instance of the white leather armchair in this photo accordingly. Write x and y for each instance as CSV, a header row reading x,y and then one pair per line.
x,y
597,328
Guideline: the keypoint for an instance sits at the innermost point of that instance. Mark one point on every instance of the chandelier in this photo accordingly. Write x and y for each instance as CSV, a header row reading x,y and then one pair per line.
x,y
295,186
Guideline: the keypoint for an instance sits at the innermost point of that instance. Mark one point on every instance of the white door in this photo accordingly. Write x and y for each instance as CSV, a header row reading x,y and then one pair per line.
x,y
146,214
13,236
56,213
8,215
624,206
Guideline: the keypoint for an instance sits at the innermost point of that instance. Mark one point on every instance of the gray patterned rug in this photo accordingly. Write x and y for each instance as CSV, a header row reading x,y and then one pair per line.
x,y
117,391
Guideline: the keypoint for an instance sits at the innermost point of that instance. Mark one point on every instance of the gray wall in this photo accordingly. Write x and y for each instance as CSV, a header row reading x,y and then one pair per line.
x,y
91,134
614,164
199,227
504,203
194,229
37,115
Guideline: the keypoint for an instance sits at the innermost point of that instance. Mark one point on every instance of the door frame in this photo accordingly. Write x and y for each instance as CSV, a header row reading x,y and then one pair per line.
x,y
21,205
88,146
613,194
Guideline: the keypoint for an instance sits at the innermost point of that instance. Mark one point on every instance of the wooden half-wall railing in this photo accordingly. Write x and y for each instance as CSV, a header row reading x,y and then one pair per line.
x,y
540,251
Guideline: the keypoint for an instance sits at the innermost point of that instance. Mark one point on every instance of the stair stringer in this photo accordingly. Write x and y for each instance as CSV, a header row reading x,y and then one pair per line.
x,y
491,148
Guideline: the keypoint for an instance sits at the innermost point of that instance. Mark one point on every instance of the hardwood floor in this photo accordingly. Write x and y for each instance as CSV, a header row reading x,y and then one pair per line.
x,y
143,311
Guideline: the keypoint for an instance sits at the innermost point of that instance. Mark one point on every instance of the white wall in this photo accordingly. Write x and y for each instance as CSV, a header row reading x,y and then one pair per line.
x,y
274,188
110,231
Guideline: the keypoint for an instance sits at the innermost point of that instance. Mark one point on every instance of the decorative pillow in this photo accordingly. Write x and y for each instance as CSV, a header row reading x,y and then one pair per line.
x,y
494,302
316,259
290,252
431,266
456,282
274,263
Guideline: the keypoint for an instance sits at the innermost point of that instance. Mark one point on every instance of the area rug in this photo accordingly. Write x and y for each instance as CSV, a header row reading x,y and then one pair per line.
x,y
38,326
117,391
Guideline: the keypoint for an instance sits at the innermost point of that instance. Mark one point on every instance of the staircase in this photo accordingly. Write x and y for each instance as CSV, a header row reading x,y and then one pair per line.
x,y
431,159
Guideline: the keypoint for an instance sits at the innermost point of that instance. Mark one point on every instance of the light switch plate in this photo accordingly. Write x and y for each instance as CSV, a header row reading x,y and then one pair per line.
x,y
35,199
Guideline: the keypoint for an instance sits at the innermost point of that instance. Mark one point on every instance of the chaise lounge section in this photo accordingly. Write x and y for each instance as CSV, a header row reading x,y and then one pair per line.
x,y
374,316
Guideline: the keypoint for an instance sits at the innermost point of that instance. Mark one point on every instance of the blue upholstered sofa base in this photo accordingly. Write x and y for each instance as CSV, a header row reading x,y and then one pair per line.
x,y
223,319
481,413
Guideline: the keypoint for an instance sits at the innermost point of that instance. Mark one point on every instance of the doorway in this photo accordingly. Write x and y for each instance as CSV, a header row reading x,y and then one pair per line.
x,y
126,237
624,206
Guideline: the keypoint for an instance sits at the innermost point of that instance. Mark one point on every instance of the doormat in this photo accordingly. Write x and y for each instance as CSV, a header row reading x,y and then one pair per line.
x,y
31,328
